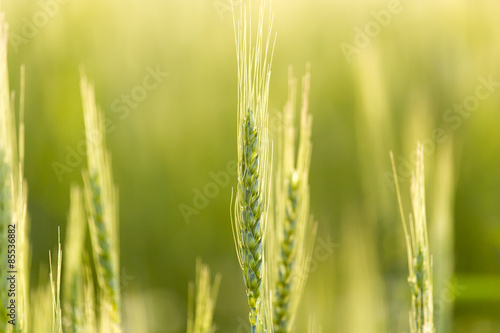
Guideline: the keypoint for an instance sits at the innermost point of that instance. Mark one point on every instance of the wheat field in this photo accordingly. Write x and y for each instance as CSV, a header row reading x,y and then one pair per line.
x,y
250,166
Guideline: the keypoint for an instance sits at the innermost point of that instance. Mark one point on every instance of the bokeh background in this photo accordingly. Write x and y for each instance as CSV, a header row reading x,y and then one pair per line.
x,y
399,83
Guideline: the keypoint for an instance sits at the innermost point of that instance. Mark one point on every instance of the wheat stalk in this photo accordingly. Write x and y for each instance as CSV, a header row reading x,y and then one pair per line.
x,y
55,285
417,244
251,205
293,227
101,201
202,299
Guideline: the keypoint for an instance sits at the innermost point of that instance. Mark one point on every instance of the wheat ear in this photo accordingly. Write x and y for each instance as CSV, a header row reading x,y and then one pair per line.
x,y
202,299
22,225
254,70
294,229
13,198
73,264
417,244
101,200
7,154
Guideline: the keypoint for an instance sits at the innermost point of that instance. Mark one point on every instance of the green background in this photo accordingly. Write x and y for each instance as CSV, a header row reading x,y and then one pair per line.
x,y
428,56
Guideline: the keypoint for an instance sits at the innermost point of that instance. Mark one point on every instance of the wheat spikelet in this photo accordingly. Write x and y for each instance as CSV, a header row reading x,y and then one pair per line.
x,y
419,258
254,64
101,201
293,227
202,299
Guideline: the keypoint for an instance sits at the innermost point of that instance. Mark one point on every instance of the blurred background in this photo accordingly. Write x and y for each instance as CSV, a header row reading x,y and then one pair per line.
x,y
385,74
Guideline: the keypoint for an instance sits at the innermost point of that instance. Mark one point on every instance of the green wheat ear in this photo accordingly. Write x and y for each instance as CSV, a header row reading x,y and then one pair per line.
x,y
13,195
419,258
293,229
251,205
202,299
74,301
101,201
